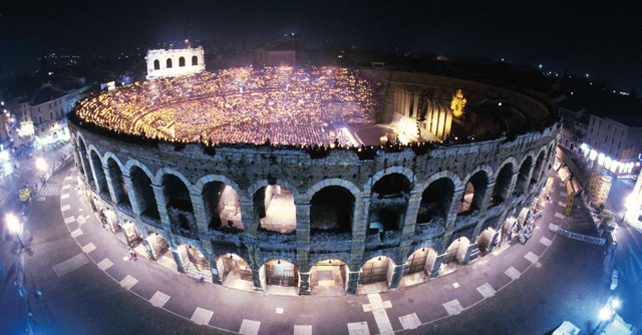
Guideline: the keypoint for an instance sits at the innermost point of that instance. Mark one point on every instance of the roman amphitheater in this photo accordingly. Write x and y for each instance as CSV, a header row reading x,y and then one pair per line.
x,y
324,181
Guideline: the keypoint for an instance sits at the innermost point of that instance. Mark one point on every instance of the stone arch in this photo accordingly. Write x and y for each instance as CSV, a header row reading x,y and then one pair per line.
x,y
438,205
197,188
318,257
279,272
169,171
180,207
329,277
143,192
539,165
84,160
264,182
181,61
275,207
195,262
419,264
115,176
156,64
367,187
194,60
96,163
475,187
377,269
525,172
234,271
503,179
333,208
135,163
334,182
389,197
168,63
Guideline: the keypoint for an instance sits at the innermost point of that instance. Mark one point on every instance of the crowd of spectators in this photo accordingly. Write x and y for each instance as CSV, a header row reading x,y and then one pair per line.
x,y
239,105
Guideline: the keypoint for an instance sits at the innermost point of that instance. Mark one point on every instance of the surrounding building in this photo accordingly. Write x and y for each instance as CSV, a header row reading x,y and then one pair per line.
x,y
173,62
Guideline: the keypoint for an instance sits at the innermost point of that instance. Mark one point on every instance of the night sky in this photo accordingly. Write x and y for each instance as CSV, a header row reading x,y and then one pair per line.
x,y
602,38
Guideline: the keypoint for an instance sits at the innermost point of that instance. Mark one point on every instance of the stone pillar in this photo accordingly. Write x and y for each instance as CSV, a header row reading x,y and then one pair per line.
x,y
486,201
359,231
161,202
353,282
115,198
469,251
99,179
410,219
86,167
150,251
396,276
216,278
304,283
302,224
178,260
250,218
434,272
451,216
199,213
134,196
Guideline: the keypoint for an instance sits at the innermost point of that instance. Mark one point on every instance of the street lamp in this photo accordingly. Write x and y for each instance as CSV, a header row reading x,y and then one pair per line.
x,y
14,226
41,164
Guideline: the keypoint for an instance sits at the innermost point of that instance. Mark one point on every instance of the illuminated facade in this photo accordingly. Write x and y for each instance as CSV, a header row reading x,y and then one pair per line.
x,y
279,219
173,62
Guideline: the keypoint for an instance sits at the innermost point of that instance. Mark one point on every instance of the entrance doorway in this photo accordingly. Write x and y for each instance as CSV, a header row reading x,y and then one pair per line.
x,y
235,272
329,278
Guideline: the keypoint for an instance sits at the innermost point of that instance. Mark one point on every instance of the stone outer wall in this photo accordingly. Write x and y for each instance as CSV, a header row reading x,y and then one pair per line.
x,y
246,170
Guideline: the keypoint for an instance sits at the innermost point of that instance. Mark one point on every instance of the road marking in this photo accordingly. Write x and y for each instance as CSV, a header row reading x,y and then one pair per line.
x,y
250,327
66,187
76,233
88,248
456,285
559,215
486,290
563,193
378,308
159,299
531,257
64,196
202,316
105,264
453,307
562,203
553,227
69,178
410,321
358,328
65,208
512,273
545,241
41,199
81,219
70,265
279,310
70,220
302,330
128,282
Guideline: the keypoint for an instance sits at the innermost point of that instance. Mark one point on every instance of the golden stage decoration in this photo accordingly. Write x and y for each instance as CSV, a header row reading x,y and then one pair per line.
x,y
458,103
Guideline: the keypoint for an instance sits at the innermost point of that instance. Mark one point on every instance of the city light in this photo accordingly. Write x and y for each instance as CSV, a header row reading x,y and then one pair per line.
x,y
13,223
615,303
605,313
41,164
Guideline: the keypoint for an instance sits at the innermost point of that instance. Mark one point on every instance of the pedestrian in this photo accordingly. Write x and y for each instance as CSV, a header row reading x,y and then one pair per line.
x,y
131,253
135,255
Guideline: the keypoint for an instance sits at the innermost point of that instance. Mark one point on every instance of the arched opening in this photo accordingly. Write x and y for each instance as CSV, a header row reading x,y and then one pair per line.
x,y
194,60
376,274
473,197
331,209
195,263
118,185
435,201
279,277
329,278
99,174
502,185
144,194
159,250
181,61
168,63
539,164
456,252
156,64
388,203
485,240
275,207
179,205
418,266
222,207
235,272
84,160
522,178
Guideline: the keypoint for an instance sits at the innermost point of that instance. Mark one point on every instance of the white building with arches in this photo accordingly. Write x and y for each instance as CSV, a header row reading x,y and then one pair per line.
x,y
174,62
